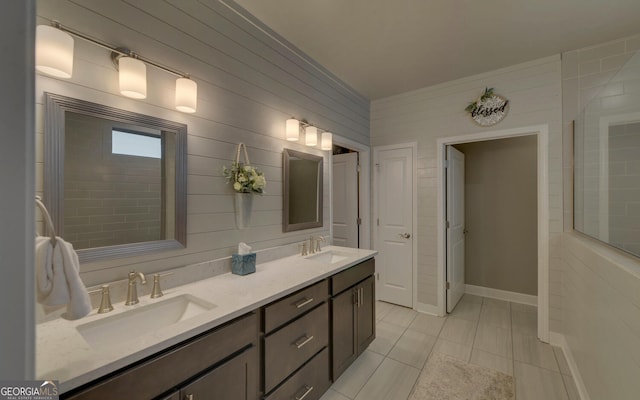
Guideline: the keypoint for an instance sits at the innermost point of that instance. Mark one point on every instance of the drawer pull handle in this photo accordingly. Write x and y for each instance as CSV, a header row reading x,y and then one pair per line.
x,y
307,390
302,341
304,302
188,397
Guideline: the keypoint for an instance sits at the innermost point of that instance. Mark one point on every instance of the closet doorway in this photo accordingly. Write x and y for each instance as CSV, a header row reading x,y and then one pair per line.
x,y
495,224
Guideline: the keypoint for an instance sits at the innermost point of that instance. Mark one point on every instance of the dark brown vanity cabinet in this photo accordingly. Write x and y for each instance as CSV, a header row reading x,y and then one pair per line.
x,y
352,314
223,364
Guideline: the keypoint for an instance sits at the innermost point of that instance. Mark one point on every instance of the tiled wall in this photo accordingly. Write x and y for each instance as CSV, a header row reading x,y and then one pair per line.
x,y
601,316
422,116
249,82
600,285
587,75
624,186
110,199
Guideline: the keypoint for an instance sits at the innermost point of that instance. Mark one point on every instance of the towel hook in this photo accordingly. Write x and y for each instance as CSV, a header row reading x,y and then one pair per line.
x,y
47,218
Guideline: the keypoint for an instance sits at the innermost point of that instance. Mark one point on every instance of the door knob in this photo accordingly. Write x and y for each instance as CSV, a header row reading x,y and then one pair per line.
x,y
405,235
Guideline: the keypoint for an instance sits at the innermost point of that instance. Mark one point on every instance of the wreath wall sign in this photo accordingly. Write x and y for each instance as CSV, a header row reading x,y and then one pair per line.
x,y
489,109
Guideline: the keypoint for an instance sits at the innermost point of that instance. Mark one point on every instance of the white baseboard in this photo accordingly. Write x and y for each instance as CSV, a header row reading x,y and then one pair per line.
x,y
558,339
427,309
502,295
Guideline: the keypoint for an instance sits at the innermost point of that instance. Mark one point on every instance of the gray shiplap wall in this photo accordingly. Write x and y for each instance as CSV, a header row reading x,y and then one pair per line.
x,y
249,82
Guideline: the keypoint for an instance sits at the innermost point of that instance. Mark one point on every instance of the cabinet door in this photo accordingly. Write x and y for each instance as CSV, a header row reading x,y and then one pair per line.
x,y
344,349
236,379
366,330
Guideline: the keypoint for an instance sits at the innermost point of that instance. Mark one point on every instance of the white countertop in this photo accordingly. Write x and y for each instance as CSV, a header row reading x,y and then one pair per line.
x,y
63,354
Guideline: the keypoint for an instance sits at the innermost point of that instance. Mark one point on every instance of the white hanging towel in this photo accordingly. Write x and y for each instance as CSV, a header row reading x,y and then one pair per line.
x,y
58,278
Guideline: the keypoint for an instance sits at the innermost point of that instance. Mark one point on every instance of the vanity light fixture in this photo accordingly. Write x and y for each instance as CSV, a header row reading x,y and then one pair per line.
x,y
327,141
54,52
310,135
54,56
292,131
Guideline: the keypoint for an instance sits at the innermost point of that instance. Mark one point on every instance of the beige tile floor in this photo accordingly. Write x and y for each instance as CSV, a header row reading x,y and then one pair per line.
x,y
487,332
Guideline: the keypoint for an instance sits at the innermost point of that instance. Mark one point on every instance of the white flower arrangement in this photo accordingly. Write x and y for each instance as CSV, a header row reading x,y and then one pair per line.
x,y
245,178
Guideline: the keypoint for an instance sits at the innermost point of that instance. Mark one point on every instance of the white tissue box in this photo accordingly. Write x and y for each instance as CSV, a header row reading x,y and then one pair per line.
x,y
243,264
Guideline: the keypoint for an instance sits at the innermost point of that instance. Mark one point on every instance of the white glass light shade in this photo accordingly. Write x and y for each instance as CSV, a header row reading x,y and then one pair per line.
x,y
186,95
133,78
327,141
311,135
292,131
54,52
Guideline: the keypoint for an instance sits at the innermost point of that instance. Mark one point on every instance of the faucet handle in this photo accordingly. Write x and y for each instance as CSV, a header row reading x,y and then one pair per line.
x,y
319,239
105,302
157,290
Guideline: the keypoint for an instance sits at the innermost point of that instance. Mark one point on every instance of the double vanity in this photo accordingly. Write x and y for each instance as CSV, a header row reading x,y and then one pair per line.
x,y
284,332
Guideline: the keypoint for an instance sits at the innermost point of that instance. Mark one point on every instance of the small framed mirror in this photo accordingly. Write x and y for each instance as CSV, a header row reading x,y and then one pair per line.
x,y
115,180
302,190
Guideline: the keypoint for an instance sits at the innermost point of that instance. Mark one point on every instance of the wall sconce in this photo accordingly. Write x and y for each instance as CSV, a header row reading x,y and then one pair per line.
x,y
327,141
133,77
310,135
292,130
186,95
54,52
54,56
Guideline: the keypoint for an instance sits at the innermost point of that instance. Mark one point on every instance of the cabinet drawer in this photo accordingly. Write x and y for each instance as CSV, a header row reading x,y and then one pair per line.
x,y
236,379
288,348
169,369
312,379
349,277
284,310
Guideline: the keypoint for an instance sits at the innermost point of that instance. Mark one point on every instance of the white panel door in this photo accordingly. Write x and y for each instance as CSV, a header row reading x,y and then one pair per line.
x,y
345,200
394,187
455,227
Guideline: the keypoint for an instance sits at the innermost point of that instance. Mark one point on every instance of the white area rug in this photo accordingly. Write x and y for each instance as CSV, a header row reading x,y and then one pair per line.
x,y
445,378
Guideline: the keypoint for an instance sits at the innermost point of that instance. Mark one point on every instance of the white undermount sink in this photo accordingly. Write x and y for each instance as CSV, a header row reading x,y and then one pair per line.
x,y
328,257
142,320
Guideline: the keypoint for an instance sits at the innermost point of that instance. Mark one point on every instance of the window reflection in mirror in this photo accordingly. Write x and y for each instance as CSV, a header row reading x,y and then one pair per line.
x,y
115,181
302,190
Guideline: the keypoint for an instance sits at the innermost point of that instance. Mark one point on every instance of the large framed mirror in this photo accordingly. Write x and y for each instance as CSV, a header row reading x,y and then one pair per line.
x,y
115,180
606,167
302,190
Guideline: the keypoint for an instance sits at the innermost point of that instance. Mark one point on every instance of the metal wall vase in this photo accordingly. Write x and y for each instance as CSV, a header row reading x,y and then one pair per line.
x,y
244,203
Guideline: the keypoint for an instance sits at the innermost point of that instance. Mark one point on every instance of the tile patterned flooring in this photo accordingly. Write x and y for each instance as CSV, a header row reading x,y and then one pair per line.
x,y
487,332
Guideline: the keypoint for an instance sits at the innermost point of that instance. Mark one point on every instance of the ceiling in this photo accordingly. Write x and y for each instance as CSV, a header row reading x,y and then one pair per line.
x,y
386,47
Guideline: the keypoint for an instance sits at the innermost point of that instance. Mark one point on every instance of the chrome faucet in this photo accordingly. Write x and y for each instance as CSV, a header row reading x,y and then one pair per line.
x,y
132,292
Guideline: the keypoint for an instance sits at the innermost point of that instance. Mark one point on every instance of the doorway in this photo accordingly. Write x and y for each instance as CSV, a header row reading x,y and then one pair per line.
x,y
493,226
340,217
541,134
345,181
